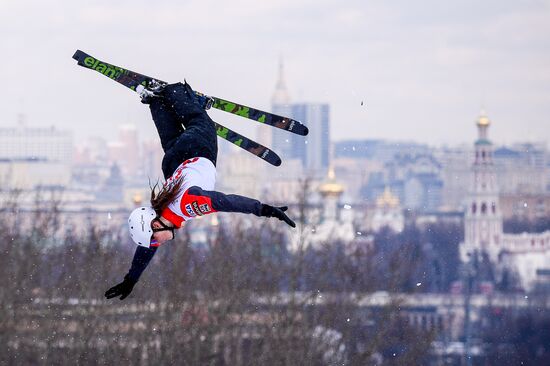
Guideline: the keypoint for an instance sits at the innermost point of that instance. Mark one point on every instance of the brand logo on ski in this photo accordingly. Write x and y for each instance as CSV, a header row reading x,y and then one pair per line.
x,y
108,70
265,153
291,125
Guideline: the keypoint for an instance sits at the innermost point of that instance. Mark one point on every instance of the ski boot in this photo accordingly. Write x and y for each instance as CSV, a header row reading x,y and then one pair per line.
x,y
153,90
204,100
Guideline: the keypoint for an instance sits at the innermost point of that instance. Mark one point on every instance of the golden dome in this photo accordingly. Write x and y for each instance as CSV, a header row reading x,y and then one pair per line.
x,y
387,199
331,187
483,120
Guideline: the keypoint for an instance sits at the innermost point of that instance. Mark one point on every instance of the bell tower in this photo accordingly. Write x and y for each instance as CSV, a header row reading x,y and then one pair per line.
x,y
483,218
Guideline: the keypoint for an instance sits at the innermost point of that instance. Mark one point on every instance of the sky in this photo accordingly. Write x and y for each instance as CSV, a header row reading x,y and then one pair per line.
x,y
423,69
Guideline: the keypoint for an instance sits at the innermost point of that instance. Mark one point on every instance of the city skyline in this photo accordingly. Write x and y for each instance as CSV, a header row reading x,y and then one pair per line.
x,y
410,226
397,71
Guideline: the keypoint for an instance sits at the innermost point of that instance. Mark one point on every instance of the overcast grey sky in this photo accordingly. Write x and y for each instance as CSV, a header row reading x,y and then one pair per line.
x,y
423,68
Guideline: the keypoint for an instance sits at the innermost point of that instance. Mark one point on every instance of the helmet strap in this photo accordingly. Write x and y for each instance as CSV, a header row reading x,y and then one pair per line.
x,y
164,228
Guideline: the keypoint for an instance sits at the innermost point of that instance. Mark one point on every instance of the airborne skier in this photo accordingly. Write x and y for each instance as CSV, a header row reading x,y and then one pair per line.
x,y
141,83
188,138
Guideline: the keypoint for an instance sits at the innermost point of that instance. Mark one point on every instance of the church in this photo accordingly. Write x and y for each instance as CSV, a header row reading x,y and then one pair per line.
x,y
526,256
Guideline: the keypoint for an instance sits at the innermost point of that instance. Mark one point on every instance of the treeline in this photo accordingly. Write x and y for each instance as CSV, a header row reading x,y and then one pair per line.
x,y
243,298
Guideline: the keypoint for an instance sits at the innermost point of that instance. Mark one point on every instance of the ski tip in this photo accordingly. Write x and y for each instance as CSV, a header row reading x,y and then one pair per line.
x,y
277,161
77,55
306,131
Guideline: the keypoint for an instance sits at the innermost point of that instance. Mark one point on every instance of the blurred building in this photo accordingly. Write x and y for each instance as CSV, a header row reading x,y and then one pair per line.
x,y
38,143
238,173
525,256
112,189
411,171
126,152
386,212
33,173
355,172
333,222
455,175
34,156
415,179
522,168
525,206
378,150
90,166
151,159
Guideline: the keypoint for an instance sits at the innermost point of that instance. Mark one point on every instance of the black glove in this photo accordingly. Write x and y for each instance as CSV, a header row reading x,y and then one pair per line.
x,y
278,212
123,289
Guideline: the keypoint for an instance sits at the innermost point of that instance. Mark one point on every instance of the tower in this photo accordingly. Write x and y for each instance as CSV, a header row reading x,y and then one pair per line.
x,y
331,191
483,218
280,97
280,103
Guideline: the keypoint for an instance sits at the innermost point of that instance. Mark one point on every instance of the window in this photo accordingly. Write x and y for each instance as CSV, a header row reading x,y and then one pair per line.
x,y
483,208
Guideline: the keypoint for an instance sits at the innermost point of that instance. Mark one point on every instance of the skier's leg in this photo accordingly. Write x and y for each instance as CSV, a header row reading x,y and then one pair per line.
x,y
183,102
192,143
199,138
168,124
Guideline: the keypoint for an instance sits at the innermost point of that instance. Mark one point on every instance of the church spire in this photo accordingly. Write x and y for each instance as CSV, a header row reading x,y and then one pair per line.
x,y
280,96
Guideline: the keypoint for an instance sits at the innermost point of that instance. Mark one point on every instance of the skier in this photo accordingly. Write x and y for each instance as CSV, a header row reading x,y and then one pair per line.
x,y
188,138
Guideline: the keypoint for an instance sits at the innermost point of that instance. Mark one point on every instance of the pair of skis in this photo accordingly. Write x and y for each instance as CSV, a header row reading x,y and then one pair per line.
x,y
139,82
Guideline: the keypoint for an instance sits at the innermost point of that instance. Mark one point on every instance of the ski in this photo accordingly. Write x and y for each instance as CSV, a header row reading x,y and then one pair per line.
x,y
137,82
274,120
267,118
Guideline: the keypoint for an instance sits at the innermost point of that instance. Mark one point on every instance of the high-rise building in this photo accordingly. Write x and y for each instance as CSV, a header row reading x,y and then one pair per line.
x,y
313,150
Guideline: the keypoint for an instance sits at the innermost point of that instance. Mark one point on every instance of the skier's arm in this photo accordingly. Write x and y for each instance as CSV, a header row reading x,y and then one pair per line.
x,y
204,202
222,202
142,257
141,260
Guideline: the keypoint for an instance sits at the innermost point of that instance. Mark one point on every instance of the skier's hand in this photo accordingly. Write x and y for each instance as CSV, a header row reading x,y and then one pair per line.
x,y
123,289
278,212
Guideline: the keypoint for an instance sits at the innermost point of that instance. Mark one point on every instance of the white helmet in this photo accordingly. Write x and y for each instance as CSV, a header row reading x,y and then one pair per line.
x,y
139,224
